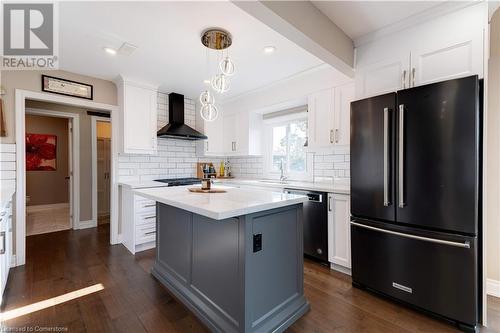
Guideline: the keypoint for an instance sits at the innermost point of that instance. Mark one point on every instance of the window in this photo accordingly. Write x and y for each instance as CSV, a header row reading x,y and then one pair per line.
x,y
285,143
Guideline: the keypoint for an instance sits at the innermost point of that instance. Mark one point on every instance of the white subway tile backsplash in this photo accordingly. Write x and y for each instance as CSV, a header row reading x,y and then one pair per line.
x,y
177,158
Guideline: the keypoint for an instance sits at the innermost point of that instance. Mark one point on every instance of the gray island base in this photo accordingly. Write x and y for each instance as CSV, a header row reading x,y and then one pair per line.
x,y
239,274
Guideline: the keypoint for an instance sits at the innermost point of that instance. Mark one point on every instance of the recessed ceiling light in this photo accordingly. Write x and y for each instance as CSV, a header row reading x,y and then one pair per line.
x,y
269,49
110,50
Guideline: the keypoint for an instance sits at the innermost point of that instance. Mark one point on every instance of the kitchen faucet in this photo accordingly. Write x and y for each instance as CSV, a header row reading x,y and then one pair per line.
x,y
282,171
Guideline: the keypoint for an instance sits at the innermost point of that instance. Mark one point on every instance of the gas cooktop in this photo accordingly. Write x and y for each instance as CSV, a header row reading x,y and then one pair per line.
x,y
179,181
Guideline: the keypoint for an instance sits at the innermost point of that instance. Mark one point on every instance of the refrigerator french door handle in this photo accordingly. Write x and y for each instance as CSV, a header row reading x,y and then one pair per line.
x,y
401,158
465,245
386,157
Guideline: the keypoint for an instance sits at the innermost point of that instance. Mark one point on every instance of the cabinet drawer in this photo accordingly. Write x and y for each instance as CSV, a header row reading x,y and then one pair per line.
x,y
145,218
146,233
427,273
145,205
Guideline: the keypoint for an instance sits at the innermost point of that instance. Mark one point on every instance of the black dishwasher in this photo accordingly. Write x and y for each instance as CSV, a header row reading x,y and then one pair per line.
x,y
315,220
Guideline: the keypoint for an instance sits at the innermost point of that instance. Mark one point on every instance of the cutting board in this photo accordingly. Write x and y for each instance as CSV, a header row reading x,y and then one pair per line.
x,y
212,190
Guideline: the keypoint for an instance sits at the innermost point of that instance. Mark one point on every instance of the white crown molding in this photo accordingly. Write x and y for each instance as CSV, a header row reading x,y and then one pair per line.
x,y
276,83
121,79
426,15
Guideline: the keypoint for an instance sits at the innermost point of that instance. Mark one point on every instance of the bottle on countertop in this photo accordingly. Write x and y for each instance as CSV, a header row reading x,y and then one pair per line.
x,y
221,169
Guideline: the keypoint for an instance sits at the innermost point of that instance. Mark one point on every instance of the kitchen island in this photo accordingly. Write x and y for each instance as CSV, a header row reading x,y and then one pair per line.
x,y
235,259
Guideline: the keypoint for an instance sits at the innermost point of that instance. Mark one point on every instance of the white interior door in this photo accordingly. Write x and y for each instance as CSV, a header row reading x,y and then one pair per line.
x,y
103,175
69,177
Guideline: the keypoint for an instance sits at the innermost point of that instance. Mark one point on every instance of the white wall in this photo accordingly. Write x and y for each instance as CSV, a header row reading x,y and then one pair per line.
x,y
492,161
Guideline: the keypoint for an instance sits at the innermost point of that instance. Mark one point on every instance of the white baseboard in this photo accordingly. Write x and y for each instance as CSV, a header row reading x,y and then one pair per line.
x,y
340,269
87,224
493,287
38,208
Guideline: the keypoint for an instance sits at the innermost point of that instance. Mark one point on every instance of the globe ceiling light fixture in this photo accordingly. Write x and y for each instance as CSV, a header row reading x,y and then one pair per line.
x,y
206,97
218,40
209,112
220,83
227,66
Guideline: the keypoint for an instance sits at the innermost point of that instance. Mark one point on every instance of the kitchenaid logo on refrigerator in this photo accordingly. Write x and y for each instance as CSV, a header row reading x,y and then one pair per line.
x,y
29,36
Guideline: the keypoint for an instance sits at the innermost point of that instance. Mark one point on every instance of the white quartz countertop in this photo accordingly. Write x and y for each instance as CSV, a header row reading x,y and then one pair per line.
x,y
142,184
218,206
6,193
332,187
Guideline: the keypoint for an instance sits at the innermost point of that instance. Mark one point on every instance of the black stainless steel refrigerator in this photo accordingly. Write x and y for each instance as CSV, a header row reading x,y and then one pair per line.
x,y
415,197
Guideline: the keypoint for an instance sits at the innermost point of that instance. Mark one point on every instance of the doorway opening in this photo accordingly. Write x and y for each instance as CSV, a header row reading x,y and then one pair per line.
x,y
101,169
49,154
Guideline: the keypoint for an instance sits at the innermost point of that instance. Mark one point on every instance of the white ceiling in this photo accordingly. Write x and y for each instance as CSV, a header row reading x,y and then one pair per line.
x,y
358,18
169,50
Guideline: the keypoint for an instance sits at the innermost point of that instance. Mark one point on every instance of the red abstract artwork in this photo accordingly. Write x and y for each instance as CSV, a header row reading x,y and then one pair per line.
x,y
41,152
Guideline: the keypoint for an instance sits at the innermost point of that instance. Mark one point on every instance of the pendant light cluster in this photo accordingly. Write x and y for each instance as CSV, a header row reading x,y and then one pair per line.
x,y
219,40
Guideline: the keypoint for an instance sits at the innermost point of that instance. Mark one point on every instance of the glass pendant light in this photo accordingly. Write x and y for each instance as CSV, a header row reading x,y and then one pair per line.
x,y
220,83
227,66
209,112
206,98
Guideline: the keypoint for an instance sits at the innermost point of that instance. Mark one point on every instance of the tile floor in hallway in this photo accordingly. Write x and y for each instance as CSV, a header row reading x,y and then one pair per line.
x,y
44,220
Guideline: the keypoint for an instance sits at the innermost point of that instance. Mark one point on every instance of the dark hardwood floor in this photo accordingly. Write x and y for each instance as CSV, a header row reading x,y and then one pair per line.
x,y
133,301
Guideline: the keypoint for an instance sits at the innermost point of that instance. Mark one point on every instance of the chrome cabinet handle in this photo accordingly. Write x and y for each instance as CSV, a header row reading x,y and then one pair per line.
x,y
336,135
149,205
413,76
386,157
149,233
465,245
149,217
330,203
403,79
3,213
401,150
331,136
2,234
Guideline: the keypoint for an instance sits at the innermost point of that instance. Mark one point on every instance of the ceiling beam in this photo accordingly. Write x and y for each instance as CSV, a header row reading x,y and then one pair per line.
x,y
305,25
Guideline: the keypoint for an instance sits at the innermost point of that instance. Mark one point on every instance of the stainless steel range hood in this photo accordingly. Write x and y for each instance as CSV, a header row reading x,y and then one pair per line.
x,y
176,129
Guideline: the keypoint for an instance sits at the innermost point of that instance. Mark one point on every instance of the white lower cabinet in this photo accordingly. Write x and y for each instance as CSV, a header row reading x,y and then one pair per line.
x,y
5,244
139,222
339,230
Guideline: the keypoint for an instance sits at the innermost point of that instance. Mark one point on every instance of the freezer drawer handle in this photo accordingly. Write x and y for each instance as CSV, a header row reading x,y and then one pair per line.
x,y
386,157
403,288
465,245
401,148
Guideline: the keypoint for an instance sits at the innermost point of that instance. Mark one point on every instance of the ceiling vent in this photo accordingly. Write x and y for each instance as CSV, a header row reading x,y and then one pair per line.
x,y
127,49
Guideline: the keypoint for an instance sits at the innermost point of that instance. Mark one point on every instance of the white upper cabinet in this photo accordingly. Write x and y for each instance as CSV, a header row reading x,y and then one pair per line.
x,y
138,117
329,117
320,120
242,133
344,95
442,48
213,146
383,76
230,137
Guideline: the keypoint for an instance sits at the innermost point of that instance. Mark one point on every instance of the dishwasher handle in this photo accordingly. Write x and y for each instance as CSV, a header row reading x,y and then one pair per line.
x,y
312,196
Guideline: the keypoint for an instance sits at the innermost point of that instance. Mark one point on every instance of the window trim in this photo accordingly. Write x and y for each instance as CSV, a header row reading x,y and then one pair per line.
x,y
268,150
